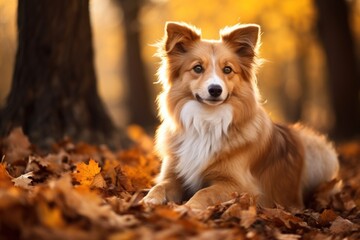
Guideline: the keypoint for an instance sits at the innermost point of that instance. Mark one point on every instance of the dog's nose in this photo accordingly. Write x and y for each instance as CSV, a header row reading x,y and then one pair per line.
x,y
215,90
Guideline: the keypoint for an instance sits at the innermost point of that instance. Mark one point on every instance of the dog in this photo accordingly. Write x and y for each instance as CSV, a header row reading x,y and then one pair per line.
x,y
215,137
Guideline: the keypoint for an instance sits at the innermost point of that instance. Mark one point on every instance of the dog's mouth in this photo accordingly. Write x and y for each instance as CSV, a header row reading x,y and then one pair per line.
x,y
211,100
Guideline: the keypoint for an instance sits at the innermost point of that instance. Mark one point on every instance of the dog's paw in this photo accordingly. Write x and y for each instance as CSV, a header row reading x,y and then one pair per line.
x,y
156,196
149,201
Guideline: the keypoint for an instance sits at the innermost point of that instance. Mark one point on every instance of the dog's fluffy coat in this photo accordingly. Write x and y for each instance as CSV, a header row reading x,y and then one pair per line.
x,y
214,144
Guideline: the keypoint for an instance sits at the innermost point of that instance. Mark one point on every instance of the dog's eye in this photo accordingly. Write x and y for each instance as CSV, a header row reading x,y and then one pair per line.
x,y
227,70
198,69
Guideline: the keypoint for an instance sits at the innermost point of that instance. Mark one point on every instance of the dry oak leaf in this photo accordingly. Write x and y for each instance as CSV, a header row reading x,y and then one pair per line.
x,y
341,225
281,216
85,173
88,204
17,146
23,180
98,182
248,217
327,216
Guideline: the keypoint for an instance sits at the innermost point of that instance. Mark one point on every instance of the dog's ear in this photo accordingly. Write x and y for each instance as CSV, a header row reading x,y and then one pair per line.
x,y
179,36
244,38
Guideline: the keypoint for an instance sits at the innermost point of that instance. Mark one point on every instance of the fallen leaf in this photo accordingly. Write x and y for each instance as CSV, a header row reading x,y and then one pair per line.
x,y
23,180
123,181
103,202
50,217
341,225
85,173
248,217
16,146
98,181
167,213
327,216
5,178
234,211
286,218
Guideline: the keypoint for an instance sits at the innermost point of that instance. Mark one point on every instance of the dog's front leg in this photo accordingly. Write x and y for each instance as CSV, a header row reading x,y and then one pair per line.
x,y
214,194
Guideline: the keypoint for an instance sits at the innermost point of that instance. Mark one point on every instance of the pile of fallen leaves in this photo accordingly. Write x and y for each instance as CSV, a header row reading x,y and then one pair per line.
x,y
80,191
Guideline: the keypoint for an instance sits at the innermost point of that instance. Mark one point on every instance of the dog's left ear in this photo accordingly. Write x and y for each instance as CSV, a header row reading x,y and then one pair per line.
x,y
244,38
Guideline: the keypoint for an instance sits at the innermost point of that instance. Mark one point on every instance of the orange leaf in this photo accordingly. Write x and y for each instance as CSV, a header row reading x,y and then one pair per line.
x,y
327,216
85,173
169,214
5,178
50,217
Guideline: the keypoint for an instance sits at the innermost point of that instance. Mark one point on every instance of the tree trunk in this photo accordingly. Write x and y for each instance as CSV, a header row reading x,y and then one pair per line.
x,y
335,35
54,90
139,98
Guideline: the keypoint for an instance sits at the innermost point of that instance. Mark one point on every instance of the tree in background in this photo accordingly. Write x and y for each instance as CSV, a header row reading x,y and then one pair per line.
x,y
139,97
344,80
54,90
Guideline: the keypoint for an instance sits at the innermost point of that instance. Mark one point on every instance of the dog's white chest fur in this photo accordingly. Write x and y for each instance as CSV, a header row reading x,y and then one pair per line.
x,y
204,127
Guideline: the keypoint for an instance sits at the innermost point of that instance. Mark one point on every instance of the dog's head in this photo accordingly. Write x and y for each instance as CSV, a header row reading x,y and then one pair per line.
x,y
211,72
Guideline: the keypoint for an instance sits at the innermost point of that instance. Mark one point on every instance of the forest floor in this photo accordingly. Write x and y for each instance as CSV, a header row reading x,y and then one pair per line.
x,y
82,191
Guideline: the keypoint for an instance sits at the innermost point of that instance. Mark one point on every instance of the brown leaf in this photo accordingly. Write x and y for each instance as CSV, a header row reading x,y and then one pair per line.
x,y
234,211
122,180
286,218
341,225
17,146
324,193
248,217
55,162
98,181
86,203
327,216
23,180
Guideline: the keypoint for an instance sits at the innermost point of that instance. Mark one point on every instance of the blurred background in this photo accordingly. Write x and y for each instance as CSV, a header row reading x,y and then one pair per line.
x,y
294,81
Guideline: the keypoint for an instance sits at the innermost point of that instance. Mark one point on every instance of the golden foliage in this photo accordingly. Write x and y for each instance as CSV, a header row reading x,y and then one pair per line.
x,y
82,191
5,178
85,173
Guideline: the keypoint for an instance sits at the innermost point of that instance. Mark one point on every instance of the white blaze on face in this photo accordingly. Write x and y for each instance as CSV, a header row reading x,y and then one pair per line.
x,y
214,79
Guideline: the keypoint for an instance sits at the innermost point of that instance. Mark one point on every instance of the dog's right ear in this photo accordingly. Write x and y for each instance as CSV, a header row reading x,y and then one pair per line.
x,y
179,36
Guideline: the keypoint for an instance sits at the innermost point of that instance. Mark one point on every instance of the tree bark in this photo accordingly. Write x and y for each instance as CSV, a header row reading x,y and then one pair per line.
x,y
344,80
54,90
139,98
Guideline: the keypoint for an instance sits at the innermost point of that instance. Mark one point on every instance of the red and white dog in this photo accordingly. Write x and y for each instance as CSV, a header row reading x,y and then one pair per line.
x,y
215,137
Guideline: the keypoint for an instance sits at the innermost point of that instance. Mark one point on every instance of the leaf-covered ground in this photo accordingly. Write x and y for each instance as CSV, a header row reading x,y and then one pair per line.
x,y
88,192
